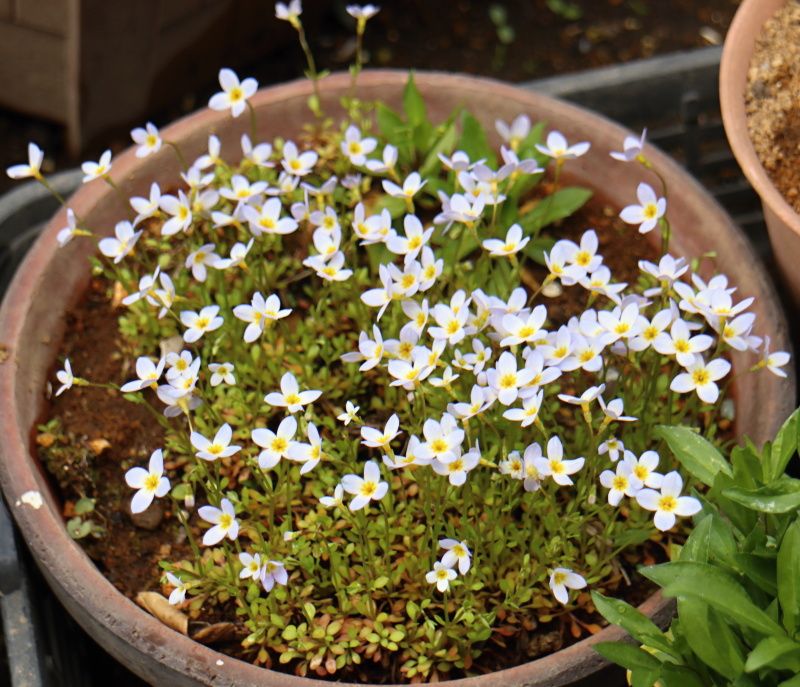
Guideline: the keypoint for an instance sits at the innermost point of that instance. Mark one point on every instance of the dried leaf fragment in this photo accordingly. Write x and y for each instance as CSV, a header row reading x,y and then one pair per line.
x,y
158,606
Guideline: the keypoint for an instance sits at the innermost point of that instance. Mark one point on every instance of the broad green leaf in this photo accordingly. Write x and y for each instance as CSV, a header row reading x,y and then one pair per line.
x,y
444,144
528,149
760,570
536,248
627,656
414,104
473,140
556,206
711,540
711,638
789,577
783,447
391,124
747,468
633,621
396,132
700,458
715,587
679,676
780,496
791,682
771,651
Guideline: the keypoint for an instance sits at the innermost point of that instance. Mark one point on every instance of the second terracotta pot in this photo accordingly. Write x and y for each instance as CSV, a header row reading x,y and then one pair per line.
x,y
783,223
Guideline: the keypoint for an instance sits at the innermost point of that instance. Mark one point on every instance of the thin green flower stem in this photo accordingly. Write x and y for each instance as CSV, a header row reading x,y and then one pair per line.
x,y
649,165
312,67
253,123
185,523
666,234
355,70
43,181
178,154
163,421
287,491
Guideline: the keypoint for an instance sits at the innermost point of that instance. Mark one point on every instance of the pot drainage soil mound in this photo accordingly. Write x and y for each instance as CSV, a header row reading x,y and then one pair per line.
x,y
91,436
773,101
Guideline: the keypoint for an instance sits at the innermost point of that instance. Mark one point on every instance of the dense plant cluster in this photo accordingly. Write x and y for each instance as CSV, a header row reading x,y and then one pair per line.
x,y
736,577
397,452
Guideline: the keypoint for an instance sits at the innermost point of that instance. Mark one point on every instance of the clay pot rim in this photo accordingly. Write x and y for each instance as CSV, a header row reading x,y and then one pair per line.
x,y
737,53
44,527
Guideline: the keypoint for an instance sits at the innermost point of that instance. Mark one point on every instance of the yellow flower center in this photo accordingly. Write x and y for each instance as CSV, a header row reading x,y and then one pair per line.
x,y
225,521
682,346
279,444
151,482
508,381
293,399
368,488
701,377
439,446
667,503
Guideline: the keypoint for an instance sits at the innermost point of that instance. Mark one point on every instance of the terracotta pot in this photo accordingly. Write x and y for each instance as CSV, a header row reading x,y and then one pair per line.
x,y
52,279
783,223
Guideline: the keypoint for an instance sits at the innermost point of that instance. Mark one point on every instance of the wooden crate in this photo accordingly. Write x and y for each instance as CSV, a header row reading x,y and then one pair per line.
x,y
97,65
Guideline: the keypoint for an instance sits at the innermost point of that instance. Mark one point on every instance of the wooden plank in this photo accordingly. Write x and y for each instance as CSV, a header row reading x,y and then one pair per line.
x,y
45,15
34,85
6,10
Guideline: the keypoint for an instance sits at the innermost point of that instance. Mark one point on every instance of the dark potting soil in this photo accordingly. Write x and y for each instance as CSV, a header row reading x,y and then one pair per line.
x,y
773,101
99,435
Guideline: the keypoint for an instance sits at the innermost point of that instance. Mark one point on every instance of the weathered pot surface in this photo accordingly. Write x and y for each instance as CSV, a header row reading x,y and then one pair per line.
x,y
783,222
52,279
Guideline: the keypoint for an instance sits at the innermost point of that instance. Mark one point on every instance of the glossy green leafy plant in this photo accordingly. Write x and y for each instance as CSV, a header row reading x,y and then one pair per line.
x,y
736,579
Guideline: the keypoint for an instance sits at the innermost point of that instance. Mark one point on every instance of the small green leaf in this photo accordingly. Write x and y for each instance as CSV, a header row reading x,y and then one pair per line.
x,y
789,577
700,458
84,506
554,207
181,491
772,650
780,496
633,621
783,448
715,587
